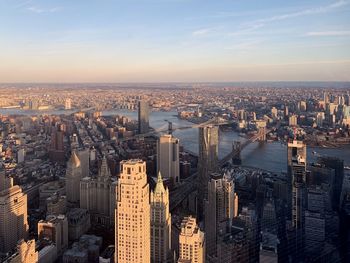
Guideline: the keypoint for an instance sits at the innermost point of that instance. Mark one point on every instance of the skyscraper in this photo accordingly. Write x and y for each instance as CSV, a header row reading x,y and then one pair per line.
x,y
13,214
68,104
207,161
54,229
168,163
73,177
191,242
96,195
219,210
160,223
295,149
84,157
297,172
56,151
338,166
132,214
143,116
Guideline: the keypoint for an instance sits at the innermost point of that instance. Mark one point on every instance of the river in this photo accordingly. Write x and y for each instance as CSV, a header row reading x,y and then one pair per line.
x,y
268,156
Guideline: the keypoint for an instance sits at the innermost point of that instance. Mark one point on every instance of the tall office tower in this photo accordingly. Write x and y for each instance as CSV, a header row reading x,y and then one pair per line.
x,y
293,120
5,182
286,111
274,113
325,97
160,223
73,177
13,214
84,157
207,161
338,166
56,151
68,104
96,195
143,116
297,172
132,214
168,163
54,229
219,210
191,242
295,149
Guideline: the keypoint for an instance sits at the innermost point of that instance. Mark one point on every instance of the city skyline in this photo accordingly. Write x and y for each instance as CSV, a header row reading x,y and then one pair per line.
x,y
174,41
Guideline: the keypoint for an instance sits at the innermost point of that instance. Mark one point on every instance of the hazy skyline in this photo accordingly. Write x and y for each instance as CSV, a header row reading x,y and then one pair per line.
x,y
174,40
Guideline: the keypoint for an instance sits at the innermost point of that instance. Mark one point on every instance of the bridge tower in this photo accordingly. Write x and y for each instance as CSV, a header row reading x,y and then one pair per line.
x,y
170,127
236,149
262,134
261,125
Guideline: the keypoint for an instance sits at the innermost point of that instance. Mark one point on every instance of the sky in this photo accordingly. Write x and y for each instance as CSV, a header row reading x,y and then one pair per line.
x,y
174,40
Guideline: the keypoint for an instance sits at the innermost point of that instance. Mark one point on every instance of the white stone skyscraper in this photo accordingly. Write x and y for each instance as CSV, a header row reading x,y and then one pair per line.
x,y
73,177
132,214
160,223
191,242
168,163
13,214
219,210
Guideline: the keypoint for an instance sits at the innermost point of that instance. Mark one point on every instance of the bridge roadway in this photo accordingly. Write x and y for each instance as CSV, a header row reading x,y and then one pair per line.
x,y
189,184
164,129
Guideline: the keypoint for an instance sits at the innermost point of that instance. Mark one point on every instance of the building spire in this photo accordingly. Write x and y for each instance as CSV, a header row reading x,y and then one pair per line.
x,y
74,160
159,186
104,170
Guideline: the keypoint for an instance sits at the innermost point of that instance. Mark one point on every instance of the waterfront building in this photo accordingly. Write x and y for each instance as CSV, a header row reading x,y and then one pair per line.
x,y
168,163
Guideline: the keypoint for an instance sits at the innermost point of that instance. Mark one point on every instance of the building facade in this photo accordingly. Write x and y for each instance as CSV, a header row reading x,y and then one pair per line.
x,y
97,195
132,214
191,242
143,116
160,223
207,161
219,210
13,214
168,163
73,177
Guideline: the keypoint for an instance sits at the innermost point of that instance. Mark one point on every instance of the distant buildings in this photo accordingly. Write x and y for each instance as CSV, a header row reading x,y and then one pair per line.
x,y
132,214
293,120
191,242
207,161
68,104
168,163
143,116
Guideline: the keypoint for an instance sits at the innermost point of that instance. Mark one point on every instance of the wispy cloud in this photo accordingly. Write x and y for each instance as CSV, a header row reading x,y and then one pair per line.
x,y
202,32
247,30
310,11
328,33
40,10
